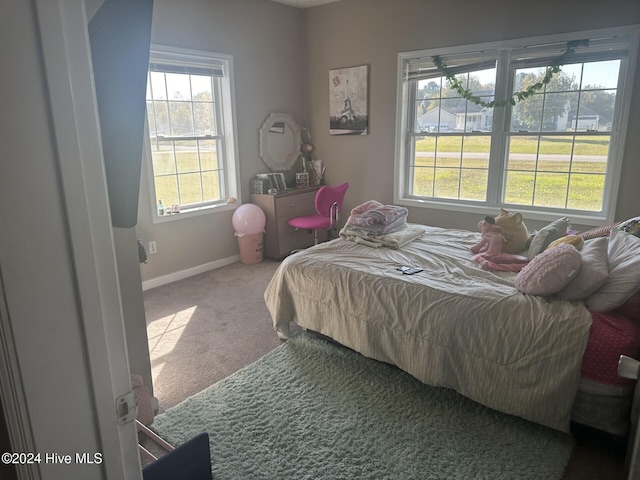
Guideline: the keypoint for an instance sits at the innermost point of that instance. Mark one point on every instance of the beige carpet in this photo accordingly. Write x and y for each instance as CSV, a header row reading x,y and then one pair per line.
x,y
206,327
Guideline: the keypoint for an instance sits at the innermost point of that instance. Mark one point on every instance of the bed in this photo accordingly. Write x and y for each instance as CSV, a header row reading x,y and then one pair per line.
x,y
452,325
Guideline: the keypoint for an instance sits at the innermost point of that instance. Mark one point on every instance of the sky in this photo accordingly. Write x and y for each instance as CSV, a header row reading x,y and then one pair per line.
x,y
604,74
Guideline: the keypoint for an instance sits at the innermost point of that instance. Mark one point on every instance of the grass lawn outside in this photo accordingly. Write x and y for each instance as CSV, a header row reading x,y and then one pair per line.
x,y
559,145
458,171
192,177
539,171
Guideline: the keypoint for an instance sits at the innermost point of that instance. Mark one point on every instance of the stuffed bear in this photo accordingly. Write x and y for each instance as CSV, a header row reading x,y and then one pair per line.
x,y
513,230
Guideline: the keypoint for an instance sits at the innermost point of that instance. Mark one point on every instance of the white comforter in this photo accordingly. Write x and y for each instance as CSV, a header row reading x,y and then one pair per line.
x,y
452,325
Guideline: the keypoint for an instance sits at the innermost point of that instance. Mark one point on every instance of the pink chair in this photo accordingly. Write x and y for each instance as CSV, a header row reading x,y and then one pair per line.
x,y
328,205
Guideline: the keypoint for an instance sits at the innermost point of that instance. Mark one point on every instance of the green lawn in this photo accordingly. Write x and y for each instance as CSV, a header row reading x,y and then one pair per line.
x,y
448,177
585,190
177,181
587,145
464,176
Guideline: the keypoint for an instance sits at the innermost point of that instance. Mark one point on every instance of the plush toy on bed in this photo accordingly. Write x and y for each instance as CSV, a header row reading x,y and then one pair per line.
x,y
492,238
490,250
514,231
509,226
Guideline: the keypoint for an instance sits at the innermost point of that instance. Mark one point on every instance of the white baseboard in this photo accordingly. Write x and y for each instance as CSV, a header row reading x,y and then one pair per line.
x,y
189,272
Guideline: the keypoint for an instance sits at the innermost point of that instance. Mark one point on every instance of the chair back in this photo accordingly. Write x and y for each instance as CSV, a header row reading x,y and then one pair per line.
x,y
189,461
327,196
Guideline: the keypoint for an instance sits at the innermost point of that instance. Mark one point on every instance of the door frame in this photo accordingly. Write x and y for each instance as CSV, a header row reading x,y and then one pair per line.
x,y
61,27
67,61
12,396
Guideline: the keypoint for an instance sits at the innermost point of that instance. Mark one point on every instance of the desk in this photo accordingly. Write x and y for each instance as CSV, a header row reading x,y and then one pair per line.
x,y
280,239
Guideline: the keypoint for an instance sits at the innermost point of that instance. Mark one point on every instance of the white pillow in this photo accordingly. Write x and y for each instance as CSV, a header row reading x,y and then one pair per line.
x,y
594,271
546,235
624,273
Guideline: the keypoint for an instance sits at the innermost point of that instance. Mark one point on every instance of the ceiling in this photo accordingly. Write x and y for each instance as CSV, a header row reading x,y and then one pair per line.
x,y
304,3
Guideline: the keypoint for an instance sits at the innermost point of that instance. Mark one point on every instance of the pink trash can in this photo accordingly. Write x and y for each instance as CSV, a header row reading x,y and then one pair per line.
x,y
251,247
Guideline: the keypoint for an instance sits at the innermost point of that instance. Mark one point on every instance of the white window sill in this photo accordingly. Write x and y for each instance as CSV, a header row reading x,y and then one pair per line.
x,y
576,218
195,212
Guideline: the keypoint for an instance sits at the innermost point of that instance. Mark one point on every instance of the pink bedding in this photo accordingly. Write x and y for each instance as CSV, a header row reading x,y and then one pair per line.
x,y
612,334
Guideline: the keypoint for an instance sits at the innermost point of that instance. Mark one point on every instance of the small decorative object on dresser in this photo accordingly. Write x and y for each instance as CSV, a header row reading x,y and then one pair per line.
x,y
302,180
260,183
317,169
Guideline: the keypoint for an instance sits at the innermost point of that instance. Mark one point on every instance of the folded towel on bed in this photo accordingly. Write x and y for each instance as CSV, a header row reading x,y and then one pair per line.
x,y
393,240
372,218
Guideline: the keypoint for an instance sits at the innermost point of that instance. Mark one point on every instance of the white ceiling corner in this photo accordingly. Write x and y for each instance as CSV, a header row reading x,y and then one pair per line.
x,y
304,3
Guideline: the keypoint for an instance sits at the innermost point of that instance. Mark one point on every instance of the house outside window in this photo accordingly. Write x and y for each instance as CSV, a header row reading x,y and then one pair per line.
x,y
191,126
559,151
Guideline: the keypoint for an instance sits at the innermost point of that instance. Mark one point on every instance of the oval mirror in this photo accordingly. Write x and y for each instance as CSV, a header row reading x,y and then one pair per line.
x,y
279,142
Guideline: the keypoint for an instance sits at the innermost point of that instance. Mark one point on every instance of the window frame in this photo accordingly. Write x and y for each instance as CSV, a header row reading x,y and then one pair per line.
x,y
225,117
405,122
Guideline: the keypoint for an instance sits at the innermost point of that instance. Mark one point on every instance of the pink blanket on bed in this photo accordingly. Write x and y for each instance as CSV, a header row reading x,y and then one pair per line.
x,y
376,218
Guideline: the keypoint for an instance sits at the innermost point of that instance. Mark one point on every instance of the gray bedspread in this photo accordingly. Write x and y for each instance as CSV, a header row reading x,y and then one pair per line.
x,y
453,325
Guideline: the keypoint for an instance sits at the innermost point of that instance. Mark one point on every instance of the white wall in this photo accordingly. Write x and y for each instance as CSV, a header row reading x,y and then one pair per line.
x,y
132,300
373,32
266,41
282,59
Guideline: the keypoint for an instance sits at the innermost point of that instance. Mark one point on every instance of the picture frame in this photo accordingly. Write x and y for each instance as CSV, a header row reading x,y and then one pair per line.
x,y
348,101
281,182
278,182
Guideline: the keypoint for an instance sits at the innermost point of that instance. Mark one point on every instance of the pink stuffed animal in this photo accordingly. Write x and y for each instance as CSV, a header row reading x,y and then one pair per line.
x,y
489,250
492,238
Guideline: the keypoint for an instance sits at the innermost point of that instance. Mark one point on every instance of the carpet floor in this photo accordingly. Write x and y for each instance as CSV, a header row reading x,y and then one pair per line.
x,y
204,328
311,409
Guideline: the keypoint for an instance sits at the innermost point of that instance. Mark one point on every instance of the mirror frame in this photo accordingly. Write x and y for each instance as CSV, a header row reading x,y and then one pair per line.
x,y
280,165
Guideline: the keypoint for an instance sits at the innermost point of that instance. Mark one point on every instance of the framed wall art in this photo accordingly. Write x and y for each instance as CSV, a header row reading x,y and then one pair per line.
x,y
348,101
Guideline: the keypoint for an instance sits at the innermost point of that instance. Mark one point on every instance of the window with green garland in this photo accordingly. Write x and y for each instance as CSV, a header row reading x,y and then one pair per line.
x,y
532,125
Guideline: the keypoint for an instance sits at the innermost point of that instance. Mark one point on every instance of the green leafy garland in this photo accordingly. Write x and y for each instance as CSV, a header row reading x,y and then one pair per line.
x,y
552,69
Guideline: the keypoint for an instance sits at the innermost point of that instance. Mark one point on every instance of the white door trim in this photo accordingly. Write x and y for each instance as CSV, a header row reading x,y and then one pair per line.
x,y
67,61
12,394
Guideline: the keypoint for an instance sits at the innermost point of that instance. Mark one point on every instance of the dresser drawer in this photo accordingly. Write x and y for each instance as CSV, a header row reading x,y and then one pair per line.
x,y
294,240
295,204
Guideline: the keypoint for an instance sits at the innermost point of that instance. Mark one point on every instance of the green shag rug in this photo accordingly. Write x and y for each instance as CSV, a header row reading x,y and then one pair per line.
x,y
314,410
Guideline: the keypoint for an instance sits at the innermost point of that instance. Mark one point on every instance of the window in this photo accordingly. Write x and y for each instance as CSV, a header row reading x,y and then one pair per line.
x,y
191,131
559,150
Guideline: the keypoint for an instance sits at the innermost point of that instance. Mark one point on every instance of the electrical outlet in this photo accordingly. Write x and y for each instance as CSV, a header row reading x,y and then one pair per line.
x,y
152,247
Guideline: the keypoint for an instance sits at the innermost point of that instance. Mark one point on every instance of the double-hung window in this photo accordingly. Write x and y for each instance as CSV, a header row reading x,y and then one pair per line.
x,y
192,146
492,126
